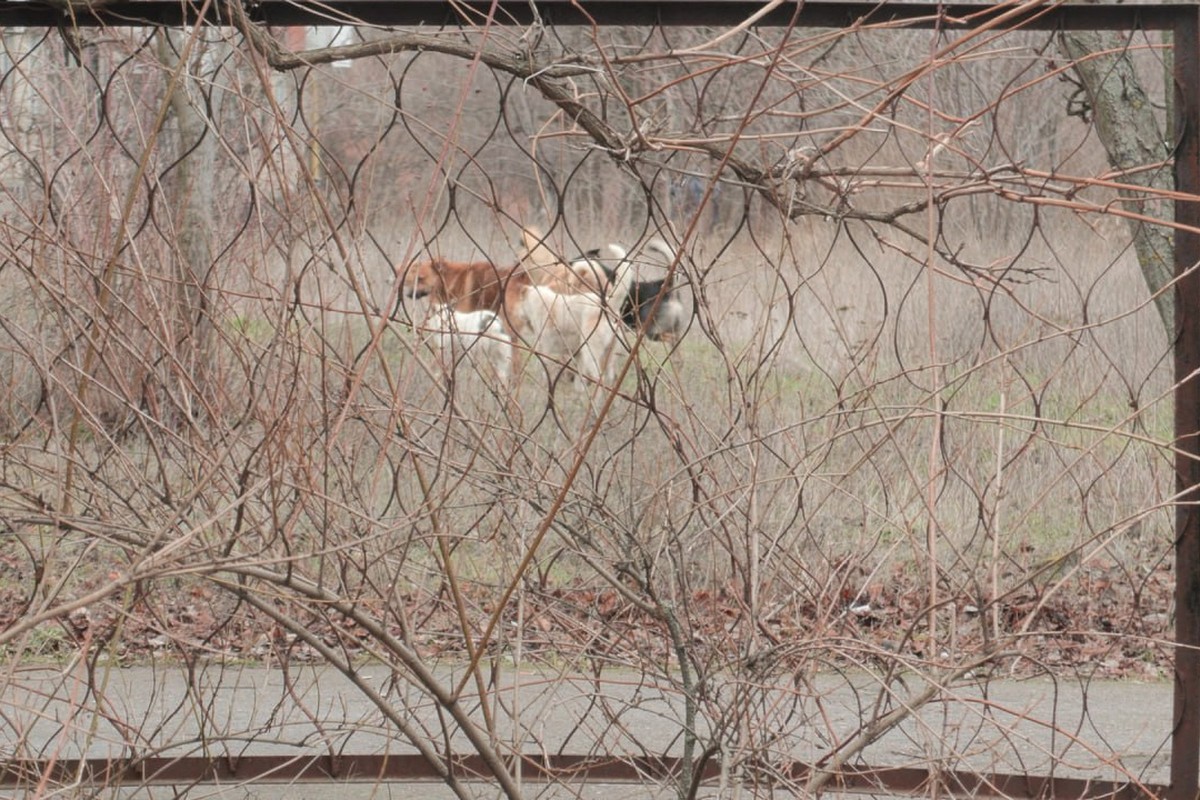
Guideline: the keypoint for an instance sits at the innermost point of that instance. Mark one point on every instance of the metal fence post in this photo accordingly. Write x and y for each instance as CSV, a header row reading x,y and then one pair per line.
x,y
1185,737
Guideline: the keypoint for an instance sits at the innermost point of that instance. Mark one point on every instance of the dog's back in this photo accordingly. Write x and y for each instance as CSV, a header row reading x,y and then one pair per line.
x,y
464,286
482,287
446,319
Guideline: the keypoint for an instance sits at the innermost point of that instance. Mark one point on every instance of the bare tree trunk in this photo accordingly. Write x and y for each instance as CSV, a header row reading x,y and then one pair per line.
x,y
194,203
1133,138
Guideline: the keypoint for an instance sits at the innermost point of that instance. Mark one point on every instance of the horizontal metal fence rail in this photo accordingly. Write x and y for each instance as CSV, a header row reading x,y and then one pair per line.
x,y
810,13
537,768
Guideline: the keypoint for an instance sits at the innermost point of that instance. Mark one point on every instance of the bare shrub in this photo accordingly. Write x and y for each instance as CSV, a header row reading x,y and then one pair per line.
x,y
916,439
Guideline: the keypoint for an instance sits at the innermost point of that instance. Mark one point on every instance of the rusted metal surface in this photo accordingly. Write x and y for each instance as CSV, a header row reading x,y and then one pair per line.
x,y
1185,741
568,769
324,769
813,13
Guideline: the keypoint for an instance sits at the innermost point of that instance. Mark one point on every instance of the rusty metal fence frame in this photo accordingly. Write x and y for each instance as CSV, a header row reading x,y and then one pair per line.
x,y
1181,20
287,770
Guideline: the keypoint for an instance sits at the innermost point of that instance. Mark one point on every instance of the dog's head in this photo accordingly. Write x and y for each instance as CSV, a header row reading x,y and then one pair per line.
x,y
597,268
421,279
606,259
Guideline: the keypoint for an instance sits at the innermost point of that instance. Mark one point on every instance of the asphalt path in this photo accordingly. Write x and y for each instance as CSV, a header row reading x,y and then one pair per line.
x,y
1107,730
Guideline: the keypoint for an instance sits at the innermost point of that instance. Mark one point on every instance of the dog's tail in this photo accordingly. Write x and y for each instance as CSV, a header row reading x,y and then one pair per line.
x,y
660,246
665,251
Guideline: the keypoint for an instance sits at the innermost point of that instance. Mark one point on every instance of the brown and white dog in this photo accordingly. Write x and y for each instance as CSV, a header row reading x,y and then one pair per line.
x,y
464,286
480,285
464,316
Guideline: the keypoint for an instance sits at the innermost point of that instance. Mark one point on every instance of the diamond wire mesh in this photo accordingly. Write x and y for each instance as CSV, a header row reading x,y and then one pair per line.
x,y
912,443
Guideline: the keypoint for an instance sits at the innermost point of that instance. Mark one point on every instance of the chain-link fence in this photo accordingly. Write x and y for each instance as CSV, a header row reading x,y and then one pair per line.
x,y
861,454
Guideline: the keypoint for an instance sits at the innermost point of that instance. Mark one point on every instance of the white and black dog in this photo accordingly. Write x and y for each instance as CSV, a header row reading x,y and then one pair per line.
x,y
653,307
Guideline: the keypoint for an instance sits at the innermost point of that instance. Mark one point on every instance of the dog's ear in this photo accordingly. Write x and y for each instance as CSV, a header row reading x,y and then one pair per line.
x,y
531,237
531,240
535,248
